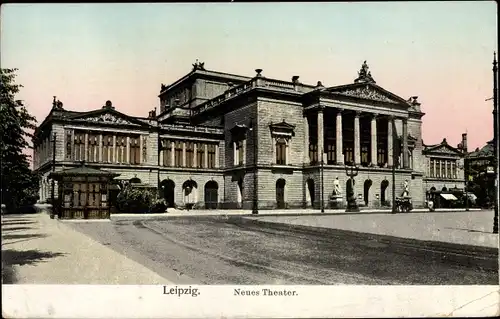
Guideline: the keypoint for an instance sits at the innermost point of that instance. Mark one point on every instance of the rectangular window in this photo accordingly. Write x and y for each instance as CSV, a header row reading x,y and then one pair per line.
x,y
121,148
200,155
79,147
68,146
107,149
381,158
211,155
135,150
178,154
454,169
348,155
313,152
365,160
431,168
281,152
239,152
448,169
167,153
93,148
189,154
330,153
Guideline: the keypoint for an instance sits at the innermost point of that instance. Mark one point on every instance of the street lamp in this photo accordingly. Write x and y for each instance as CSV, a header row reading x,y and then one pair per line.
x,y
496,155
351,171
322,185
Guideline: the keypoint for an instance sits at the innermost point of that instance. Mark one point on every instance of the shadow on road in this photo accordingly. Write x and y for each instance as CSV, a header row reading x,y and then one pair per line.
x,y
17,222
15,228
12,257
470,230
23,236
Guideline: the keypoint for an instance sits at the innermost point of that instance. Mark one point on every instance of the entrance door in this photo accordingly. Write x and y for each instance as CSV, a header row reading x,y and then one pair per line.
x,y
211,195
168,192
280,193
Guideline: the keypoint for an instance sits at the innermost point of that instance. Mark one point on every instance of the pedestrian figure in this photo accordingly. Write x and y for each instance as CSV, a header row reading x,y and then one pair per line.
x,y
431,206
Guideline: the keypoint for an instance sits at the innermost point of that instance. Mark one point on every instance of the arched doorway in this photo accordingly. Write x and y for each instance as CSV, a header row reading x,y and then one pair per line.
x,y
366,193
280,193
310,190
168,191
189,189
383,189
211,195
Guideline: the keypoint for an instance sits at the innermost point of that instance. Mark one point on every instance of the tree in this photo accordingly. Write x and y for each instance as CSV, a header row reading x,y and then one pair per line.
x,y
19,184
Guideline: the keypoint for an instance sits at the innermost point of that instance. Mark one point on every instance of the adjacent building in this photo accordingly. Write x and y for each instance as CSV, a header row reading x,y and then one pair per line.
x,y
230,141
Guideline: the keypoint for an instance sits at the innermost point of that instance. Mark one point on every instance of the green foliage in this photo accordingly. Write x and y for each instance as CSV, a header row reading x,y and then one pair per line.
x,y
138,200
19,184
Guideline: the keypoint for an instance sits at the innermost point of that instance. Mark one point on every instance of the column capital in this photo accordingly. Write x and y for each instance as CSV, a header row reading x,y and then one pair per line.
x,y
320,108
374,116
339,110
357,113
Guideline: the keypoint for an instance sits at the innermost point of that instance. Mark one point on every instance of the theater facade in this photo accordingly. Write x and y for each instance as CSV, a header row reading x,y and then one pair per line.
x,y
221,140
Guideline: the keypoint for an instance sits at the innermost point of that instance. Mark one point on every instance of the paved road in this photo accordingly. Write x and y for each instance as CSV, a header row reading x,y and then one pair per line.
x,y
218,250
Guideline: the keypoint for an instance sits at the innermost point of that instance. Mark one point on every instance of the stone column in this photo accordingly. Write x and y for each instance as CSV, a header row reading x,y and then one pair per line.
x,y
128,150
405,144
339,148
161,153
245,151
114,149
140,149
321,137
374,140
216,155
205,160
100,148
183,154
195,156
86,155
172,153
72,144
357,146
307,160
389,142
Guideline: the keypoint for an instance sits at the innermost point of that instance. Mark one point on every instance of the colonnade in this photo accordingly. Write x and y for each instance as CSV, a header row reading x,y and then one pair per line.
x,y
339,138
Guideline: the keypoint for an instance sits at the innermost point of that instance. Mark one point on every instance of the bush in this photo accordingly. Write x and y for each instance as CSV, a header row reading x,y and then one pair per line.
x,y
135,200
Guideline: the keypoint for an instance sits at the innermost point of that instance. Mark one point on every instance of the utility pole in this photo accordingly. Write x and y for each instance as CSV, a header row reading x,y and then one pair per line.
x,y
496,157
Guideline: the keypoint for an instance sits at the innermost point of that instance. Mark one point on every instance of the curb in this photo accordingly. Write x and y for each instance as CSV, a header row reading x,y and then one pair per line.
x,y
114,217
484,257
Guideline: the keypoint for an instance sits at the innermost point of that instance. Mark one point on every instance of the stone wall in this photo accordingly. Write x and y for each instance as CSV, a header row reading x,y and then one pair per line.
x,y
275,111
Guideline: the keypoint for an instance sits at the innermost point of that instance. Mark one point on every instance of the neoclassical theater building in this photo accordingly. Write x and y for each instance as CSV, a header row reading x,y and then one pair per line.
x,y
230,141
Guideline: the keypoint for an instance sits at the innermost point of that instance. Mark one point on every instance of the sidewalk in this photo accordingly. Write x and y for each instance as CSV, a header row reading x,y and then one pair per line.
x,y
40,250
464,228
172,212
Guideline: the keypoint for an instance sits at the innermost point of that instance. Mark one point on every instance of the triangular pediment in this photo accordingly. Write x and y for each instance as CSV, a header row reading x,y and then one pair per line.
x,y
282,126
108,116
367,91
443,149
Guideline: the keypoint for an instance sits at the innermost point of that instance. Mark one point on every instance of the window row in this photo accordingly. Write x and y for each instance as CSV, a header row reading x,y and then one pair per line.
x,y
112,149
443,168
188,154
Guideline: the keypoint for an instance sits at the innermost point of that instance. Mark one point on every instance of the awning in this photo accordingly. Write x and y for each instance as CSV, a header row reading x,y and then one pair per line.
x,y
449,196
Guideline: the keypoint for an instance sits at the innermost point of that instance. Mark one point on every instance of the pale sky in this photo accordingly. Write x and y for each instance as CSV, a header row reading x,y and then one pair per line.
x,y
86,54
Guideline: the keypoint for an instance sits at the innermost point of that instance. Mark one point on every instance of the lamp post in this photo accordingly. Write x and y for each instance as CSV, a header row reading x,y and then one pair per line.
x,y
466,177
351,171
52,180
322,184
